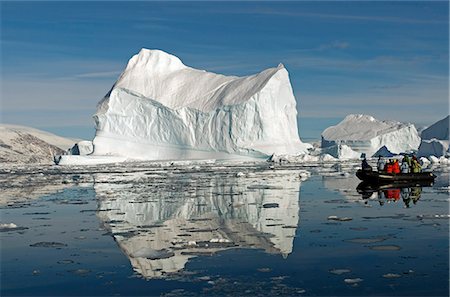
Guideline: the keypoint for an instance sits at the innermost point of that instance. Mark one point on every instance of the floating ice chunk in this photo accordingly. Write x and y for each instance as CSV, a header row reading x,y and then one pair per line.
x,y
50,244
351,281
219,240
82,148
385,248
339,271
8,226
335,218
391,275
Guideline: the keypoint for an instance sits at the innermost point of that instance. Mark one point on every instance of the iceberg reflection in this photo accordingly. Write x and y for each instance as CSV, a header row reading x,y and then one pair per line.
x,y
160,221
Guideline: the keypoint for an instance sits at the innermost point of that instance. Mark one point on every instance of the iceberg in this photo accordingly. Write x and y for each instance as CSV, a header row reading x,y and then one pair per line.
x,y
433,147
439,130
161,109
435,140
341,152
82,148
365,134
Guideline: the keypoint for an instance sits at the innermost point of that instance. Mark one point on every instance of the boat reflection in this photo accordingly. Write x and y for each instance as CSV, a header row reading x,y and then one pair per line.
x,y
160,221
409,193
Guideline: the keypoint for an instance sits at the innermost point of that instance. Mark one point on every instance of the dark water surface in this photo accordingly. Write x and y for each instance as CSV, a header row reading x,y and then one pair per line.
x,y
219,230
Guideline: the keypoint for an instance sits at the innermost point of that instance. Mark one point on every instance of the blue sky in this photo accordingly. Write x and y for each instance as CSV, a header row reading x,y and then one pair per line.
x,y
387,59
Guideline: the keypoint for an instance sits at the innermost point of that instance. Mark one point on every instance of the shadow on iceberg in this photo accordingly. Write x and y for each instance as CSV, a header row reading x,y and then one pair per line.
x,y
162,221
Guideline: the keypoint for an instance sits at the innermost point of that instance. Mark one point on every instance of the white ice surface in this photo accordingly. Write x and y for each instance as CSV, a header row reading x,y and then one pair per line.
x,y
161,109
365,134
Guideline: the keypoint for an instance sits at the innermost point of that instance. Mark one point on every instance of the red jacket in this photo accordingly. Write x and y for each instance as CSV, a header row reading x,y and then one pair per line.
x,y
389,168
396,168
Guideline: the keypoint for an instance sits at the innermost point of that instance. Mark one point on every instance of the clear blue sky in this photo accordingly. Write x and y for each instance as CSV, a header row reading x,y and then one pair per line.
x,y
387,59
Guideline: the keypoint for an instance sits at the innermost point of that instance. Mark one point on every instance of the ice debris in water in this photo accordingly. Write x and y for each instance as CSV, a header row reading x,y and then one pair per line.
x,y
80,272
391,275
385,248
8,226
11,227
436,216
336,218
366,240
339,271
351,281
219,240
49,244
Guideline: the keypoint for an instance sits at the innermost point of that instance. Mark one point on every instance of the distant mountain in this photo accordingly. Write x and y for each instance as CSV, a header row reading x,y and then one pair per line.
x,y
26,145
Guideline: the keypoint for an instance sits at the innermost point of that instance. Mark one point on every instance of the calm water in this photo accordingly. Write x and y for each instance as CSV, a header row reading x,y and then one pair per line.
x,y
219,230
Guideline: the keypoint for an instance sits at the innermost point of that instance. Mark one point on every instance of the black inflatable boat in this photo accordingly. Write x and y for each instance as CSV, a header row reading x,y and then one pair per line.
x,y
384,178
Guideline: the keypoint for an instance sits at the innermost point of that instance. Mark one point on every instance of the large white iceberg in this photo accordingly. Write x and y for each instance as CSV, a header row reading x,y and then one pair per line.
x,y
365,134
160,108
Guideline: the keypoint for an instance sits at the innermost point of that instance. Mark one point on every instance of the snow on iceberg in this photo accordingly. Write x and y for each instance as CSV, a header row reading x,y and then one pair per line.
x,y
365,134
160,109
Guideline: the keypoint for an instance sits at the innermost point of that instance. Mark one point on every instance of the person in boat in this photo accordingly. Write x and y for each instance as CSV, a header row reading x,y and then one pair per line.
x,y
380,164
404,168
416,168
365,166
389,166
407,159
395,167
